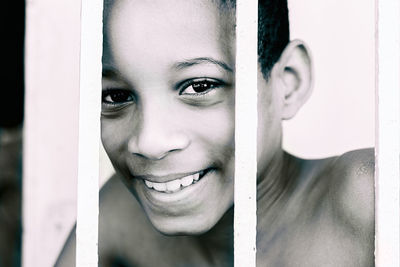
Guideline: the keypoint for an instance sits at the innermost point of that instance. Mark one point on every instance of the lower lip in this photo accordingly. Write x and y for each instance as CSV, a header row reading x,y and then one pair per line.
x,y
185,194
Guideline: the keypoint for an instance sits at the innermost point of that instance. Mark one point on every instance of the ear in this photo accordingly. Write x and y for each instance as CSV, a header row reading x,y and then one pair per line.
x,y
295,75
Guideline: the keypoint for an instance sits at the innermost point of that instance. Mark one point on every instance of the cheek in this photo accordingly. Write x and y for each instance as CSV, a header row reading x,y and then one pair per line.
x,y
114,134
214,128
218,128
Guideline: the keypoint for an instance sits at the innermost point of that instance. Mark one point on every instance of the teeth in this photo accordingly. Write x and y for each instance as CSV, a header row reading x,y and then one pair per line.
x,y
187,180
148,183
173,185
160,186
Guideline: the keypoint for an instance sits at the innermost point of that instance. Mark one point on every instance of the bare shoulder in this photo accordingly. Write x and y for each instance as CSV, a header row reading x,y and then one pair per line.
x,y
119,210
122,221
115,198
67,255
352,189
342,192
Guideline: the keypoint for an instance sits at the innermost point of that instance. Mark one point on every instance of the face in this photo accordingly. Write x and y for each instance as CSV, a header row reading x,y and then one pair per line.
x,y
168,109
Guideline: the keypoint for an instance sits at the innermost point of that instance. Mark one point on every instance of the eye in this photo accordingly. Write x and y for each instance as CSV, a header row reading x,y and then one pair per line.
x,y
199,87
116,96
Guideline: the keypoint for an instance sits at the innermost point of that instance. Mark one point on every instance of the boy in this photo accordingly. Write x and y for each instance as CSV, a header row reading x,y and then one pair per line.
x,y
168,128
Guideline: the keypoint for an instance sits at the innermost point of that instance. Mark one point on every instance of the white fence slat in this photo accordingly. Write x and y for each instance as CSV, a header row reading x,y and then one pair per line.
x,y
245,218
89,133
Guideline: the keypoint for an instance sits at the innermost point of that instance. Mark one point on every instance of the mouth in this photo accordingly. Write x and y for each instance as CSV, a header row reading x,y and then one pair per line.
x,y
176,185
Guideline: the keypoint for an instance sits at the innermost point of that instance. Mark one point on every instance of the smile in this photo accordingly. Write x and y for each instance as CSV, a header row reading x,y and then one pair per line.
x,y
176,184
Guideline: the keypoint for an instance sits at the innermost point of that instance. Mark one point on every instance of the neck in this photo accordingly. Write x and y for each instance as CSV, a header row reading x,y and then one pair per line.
x,y
274,186
219,241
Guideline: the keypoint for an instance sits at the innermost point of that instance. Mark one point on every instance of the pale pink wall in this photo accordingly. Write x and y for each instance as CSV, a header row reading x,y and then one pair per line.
x,y
340,114
51,124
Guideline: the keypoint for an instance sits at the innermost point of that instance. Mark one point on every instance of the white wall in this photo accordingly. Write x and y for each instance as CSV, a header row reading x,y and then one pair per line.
x,y
340,115
51,123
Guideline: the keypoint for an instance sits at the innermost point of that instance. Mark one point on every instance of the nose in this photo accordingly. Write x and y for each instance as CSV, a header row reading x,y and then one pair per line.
x,y
157,135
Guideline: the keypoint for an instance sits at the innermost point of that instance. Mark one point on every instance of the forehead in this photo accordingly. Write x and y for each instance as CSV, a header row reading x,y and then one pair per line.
x,y
174,28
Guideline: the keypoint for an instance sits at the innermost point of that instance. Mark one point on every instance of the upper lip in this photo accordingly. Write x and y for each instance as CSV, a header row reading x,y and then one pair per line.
x,y
163,178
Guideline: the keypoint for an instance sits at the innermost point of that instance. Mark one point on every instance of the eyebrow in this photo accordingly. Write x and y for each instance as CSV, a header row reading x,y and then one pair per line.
x,y
201,60
109,72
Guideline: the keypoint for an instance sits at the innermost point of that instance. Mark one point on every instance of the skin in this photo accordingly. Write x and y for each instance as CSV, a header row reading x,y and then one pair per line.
x,y
168,109
163,129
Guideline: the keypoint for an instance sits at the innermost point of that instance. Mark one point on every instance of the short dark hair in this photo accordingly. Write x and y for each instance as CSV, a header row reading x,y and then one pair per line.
x,y
273,32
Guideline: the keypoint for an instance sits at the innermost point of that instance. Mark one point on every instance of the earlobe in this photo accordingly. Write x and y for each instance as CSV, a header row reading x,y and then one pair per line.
x,y
295,75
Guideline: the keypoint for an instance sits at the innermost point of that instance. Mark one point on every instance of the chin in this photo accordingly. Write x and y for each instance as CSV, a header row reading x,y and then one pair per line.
x,y
188,225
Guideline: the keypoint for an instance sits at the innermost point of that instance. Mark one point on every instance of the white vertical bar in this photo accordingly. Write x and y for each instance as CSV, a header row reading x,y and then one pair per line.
x,y
388,176
246,133
89,133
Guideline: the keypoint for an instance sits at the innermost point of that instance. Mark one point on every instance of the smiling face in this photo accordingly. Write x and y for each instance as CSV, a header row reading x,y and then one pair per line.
x,y
168,109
